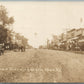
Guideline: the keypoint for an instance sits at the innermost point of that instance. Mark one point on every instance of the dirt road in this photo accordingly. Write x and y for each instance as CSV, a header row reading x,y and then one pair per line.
x,y
41,66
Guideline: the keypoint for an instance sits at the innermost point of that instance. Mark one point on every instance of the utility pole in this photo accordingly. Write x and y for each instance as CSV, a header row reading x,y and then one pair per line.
x,y
81,21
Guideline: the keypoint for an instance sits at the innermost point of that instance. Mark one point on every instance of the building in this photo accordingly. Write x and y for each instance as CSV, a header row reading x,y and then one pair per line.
x,y
79,33
70,34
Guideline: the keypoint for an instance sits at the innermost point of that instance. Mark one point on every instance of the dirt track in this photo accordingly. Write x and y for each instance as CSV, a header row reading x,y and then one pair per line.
x,y
41,66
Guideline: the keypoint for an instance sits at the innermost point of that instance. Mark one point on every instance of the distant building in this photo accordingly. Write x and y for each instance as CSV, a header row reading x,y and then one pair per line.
x,y
80,33
63,37
55,40
70,34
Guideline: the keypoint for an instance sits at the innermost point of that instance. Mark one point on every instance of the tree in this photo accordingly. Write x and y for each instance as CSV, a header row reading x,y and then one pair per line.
x,y
21,40
4,16
3,34
24,41
6,21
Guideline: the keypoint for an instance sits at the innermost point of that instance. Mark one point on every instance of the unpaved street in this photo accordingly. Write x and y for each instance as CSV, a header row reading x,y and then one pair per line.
x,y
38,65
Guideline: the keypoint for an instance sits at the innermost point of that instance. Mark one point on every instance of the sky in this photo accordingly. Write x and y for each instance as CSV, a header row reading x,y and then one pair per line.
x,y
39,20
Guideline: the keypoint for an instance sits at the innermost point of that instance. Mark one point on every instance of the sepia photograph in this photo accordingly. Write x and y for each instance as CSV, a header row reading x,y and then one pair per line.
x,y
41,41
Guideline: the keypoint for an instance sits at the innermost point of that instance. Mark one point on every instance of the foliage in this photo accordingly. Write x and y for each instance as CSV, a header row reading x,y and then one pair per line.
x,y
4,16
6,34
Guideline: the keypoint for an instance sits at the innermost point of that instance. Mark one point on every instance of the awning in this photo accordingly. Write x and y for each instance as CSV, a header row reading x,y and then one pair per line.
x,y
81,40
64,41
75,38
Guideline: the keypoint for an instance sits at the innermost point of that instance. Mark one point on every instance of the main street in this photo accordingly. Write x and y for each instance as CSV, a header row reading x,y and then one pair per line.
x,y
41,65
